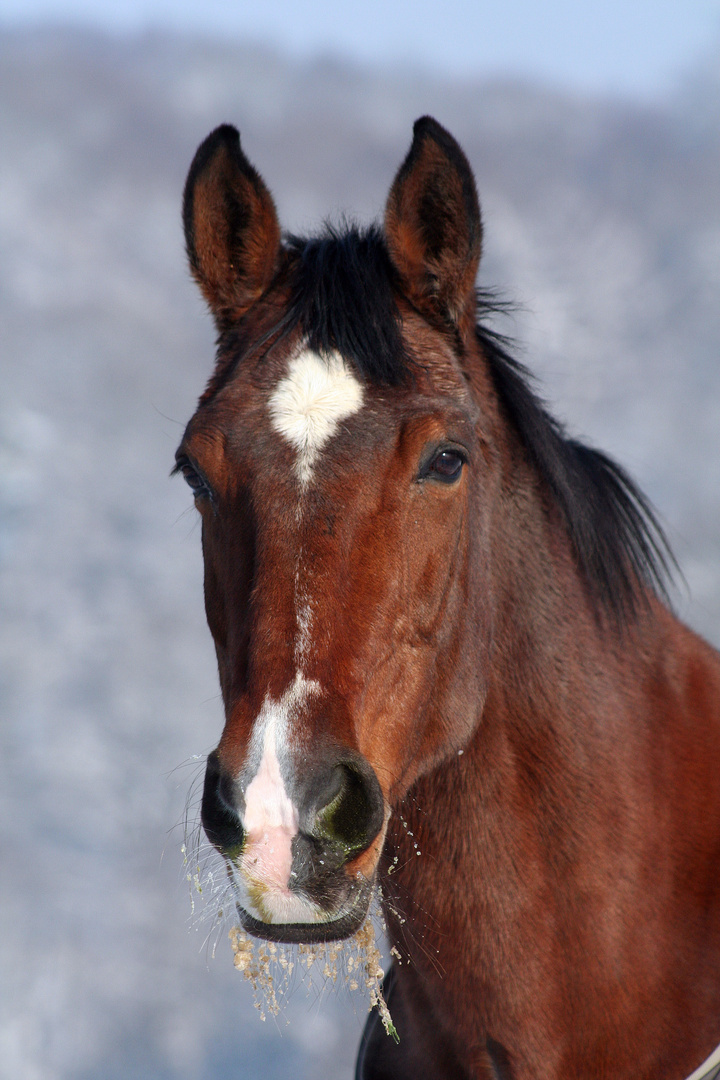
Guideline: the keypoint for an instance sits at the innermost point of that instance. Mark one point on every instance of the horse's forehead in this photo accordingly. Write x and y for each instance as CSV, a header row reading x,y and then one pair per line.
x,y
299,407
310,402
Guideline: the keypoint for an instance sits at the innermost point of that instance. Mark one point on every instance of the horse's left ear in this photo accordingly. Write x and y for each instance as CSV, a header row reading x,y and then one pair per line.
x,y
232,233
432,225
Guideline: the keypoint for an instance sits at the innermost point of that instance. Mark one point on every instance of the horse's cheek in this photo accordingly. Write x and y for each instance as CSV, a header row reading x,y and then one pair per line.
x,y
215,612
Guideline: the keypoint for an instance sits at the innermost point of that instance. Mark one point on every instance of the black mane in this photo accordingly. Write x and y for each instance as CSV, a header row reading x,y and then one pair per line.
x,y
618,541
343,297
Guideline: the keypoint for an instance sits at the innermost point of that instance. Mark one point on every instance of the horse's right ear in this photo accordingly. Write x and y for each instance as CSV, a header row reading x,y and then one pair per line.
x,y
231,227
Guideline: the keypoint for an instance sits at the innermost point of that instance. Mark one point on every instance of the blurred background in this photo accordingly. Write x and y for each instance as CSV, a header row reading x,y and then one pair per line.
x,y
595,136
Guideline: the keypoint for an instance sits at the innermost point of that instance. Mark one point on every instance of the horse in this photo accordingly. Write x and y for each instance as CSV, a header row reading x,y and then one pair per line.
x,y
447,658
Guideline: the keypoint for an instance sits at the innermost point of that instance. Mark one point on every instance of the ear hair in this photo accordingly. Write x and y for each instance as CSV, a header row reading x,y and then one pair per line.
x,y
232,233
433,228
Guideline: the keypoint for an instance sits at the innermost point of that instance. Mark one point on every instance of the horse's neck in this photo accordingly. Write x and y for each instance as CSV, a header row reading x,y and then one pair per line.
x,y
552,846
558,878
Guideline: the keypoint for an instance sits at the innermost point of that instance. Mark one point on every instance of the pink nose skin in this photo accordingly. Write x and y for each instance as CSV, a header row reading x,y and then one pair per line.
x,y
268,858
270,820
270,823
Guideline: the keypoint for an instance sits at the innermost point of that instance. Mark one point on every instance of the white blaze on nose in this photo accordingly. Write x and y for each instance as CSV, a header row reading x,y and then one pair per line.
x,y
307,406
271,820
267,806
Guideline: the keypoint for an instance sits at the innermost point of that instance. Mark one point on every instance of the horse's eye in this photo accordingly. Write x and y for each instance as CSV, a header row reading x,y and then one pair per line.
x,y
446,466
193,479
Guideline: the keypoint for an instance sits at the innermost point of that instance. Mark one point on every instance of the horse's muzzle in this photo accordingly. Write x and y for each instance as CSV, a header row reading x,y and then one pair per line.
x,y
315,891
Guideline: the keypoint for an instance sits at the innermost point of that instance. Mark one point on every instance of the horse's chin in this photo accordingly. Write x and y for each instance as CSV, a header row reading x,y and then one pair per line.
x,y
331,928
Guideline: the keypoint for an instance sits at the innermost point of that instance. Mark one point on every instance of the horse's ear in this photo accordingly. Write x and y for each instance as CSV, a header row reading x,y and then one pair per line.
x,y
231,227
432,224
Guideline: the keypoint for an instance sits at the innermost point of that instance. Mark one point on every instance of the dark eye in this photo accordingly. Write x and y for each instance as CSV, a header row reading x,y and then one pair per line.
x,y
446,466
192,478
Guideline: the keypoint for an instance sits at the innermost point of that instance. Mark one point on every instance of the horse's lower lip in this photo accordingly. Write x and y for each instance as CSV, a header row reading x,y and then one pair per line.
x,y
337,929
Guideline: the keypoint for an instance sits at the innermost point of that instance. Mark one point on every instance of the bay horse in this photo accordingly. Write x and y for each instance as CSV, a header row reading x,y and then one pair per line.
x,y
446,659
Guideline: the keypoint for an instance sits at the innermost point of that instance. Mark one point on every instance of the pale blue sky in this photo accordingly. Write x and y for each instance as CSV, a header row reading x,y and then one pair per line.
x,y
639,47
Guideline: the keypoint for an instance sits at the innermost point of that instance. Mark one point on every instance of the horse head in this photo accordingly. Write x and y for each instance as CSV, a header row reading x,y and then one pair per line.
x,y
341,465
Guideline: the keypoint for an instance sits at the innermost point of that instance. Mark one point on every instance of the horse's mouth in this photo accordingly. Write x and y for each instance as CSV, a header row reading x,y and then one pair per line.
x,y
320,925
316,899
322,929
306,933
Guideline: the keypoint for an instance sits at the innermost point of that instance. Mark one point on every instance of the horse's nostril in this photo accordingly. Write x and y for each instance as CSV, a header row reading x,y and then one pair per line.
x,y
352,817
219,816
340,820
